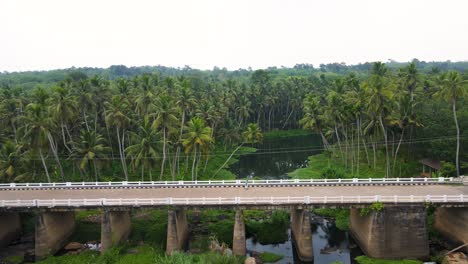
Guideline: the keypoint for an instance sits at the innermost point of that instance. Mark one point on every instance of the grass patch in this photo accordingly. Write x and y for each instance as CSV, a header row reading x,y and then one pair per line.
x,y
208,258
341,216
269,257
324,166
367,260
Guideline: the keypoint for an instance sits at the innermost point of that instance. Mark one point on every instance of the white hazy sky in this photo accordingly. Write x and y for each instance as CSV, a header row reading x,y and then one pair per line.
x,y
49,34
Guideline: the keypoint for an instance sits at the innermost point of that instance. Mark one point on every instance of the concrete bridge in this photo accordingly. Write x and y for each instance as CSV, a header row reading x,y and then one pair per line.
x,y
398,231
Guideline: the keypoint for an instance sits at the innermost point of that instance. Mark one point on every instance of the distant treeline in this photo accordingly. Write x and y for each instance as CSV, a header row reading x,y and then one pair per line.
x,y
31,79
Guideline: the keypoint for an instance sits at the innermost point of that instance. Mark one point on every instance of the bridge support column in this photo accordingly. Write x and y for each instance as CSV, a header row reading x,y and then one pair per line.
x,y
452,223
52,232
177,231
115,227
238,244
302,234
10,227
393,233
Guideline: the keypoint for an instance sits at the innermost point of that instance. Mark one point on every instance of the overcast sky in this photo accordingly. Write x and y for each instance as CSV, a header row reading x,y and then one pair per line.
x,y
50,34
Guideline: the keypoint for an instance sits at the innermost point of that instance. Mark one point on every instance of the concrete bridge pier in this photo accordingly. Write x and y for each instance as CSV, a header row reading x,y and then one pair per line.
x,y
396,232
302,234
10,227
452,223
115,227
177,231
52,232
239,246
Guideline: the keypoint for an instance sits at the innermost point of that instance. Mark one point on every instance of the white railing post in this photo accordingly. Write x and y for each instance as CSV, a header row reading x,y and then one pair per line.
x,y
325,199
395,198
445,198
412,198
359,199
341,199
428,198
461,198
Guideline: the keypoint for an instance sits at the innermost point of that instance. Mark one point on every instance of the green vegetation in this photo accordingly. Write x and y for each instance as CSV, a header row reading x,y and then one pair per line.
x,y
341,216
367,260
14,260
271,231
374,207
167,124
268,257
150,226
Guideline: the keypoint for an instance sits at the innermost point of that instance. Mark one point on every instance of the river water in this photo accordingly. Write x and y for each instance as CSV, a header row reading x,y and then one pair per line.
x,y
274,159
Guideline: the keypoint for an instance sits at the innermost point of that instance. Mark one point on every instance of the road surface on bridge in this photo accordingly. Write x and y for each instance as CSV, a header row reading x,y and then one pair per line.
x,y
197,192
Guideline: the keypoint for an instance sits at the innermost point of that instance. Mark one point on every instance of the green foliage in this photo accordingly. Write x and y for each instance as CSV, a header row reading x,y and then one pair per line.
x,y
332,173
268,257
367,260
14,260
271,231
341,216
448,170
210,258
374,207
150,226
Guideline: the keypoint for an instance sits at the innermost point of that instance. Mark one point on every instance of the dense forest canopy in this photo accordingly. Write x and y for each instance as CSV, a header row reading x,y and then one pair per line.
x,y
166,123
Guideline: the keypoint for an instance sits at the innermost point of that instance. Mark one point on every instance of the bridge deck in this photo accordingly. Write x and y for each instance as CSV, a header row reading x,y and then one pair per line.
x,y
233,195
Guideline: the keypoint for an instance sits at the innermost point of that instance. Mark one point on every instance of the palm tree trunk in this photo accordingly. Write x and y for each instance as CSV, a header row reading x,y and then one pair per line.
x,y
54,152
457,165
230,156
397,149
121,155
45,166
63,136
193,163
164,154
85,120
387,159
358,145
95,170
339,141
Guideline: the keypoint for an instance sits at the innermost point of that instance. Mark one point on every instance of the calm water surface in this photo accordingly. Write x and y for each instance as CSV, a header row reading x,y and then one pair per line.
x,y
277,156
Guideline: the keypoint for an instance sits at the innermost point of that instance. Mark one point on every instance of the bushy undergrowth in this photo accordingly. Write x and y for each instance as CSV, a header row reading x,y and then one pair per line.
x,y
367,260
271,231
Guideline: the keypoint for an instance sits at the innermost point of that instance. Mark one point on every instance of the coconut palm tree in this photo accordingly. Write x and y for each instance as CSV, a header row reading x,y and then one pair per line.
x,y
145,151
64,109
39,130
90,148
197,140
9,161
116,116
379,96
451,89
313,118
165,121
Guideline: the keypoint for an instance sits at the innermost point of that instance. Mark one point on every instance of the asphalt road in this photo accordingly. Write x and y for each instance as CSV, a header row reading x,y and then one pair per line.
x,y
228,192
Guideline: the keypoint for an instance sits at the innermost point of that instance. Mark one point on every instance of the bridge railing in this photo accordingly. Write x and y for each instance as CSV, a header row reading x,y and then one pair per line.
x,y
440,180
289,200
